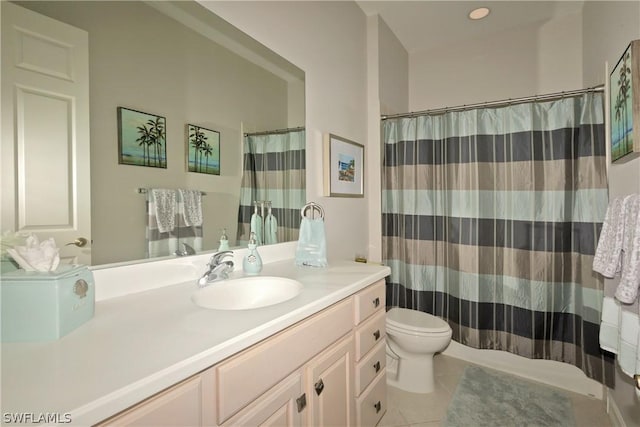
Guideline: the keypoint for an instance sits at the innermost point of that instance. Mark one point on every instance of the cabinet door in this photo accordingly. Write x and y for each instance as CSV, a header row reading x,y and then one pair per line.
x,y
277,407
180,405
330,386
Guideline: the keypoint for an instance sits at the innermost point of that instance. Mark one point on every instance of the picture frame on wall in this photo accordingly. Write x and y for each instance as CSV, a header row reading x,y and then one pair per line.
x,y
203,150
624,105
142,139
343,167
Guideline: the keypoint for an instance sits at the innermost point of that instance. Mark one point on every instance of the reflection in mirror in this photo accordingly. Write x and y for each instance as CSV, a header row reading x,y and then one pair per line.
x,y
273,186
173,59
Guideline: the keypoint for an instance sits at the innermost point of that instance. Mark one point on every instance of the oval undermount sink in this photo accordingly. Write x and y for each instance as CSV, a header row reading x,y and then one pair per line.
x,y
246,293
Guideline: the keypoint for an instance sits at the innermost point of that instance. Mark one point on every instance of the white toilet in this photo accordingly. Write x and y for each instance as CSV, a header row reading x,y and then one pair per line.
x,y
413,337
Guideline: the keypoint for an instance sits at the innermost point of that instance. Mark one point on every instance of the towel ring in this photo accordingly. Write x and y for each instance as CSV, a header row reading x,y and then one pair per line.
x,y
314,207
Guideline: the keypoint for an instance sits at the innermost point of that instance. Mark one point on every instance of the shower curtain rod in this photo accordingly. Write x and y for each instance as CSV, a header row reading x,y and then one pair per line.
x,y
273,132
500,103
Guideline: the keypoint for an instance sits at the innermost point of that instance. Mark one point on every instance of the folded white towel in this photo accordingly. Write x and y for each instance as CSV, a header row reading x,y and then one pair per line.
x,y
610,324
627,290
629,350
192,203
608,252
164,207
620,334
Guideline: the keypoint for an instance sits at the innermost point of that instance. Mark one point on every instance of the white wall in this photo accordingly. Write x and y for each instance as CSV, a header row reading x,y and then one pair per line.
x,y
536,59
608,29
328,41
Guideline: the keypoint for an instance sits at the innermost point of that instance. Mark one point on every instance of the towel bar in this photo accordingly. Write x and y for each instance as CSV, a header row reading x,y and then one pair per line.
x,y
146,190
314,207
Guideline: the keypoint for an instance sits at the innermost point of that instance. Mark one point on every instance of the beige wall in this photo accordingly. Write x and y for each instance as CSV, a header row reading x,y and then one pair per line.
x,y
328,41
535,59
608,29
143,60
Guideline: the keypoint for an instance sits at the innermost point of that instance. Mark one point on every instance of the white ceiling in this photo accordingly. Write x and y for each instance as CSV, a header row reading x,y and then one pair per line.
x,y
423,25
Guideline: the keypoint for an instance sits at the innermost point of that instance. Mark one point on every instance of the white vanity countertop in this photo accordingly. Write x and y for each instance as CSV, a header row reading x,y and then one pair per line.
x,y
139,344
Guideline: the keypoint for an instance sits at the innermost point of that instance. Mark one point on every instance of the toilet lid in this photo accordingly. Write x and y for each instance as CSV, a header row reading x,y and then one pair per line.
x,y
403,318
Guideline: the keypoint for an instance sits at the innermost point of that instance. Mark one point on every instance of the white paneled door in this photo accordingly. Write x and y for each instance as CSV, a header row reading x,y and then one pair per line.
x,y
45,131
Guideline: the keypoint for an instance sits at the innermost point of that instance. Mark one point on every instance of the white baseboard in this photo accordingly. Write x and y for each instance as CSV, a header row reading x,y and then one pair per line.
x,y
614,412
557,374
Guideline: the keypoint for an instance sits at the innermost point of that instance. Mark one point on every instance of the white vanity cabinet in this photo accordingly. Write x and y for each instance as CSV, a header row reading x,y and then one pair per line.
x,y
254,372
370,354
185,403
326,370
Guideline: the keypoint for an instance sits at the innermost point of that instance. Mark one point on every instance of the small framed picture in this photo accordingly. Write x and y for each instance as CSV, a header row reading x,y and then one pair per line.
x,y
203,150
142,139
344,167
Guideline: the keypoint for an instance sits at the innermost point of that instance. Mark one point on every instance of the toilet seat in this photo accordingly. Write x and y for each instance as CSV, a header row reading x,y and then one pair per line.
x,y
415,322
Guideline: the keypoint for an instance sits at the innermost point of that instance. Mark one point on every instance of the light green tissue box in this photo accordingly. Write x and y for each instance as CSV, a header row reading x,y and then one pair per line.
x,y
44,306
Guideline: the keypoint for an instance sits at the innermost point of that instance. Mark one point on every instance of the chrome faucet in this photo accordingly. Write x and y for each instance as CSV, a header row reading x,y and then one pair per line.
x,y
186,250
218,269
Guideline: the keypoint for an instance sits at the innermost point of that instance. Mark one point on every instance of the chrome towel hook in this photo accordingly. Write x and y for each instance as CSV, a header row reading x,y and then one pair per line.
x,y
314,207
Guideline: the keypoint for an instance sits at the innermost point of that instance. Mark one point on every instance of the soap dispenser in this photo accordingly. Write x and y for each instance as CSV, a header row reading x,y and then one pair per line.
x,y
252,263
224,241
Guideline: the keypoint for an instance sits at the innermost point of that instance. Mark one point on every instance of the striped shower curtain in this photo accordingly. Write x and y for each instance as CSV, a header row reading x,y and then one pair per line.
x,y
491,218
274,170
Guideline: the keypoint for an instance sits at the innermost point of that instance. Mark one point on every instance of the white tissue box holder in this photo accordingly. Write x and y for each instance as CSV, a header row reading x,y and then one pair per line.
x,y
44,306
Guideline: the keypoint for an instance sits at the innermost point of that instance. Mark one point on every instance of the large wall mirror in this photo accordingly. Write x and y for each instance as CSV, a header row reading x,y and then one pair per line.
x,y
179,61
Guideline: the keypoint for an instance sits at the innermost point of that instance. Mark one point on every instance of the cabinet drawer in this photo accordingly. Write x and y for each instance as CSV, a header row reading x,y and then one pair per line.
x,y
370,366
180,404
370,333
372,405
277,407
252,372
368,300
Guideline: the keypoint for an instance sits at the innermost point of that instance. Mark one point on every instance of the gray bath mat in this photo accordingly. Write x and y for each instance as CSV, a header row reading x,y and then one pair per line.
x,y
490,398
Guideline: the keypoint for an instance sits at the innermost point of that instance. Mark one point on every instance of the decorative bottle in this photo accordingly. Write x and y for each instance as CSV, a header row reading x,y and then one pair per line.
x,y
252,263
224,241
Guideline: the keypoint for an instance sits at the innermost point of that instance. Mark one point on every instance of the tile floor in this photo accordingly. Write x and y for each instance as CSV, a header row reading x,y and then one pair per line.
x,y
420,410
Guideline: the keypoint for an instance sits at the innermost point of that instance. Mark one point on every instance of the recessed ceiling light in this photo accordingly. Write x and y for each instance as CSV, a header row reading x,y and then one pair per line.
x,y
479,13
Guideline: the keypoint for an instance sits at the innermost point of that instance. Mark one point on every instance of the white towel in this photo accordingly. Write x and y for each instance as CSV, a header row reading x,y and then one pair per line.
x,y
270,230
620,334
610,325
607,257
164,207
192,212
628,355
627,290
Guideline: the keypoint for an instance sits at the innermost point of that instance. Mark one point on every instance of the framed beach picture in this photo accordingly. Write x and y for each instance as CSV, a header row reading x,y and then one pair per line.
x,y
624,105
344,167
142,139
203,150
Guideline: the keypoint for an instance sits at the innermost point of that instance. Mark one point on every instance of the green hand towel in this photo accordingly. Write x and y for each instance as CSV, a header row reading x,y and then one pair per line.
x,y
312,245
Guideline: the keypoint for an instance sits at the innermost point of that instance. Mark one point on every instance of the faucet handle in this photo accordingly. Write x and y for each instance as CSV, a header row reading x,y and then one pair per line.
x,y
217,258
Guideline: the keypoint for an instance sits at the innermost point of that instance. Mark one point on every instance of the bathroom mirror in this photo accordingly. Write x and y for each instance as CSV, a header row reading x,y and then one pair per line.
x,y
179,61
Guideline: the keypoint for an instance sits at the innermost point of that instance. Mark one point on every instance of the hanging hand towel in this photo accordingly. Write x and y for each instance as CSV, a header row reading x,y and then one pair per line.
x,y
256,227
606,260
627,290
164,208
270,229
192,202
312,246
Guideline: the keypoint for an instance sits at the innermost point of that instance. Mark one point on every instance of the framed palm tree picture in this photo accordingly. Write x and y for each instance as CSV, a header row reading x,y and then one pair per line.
x,y
624,102
203,150
142,139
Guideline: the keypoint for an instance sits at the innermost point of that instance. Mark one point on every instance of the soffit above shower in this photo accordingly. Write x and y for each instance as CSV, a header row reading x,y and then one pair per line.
x,y
424,25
